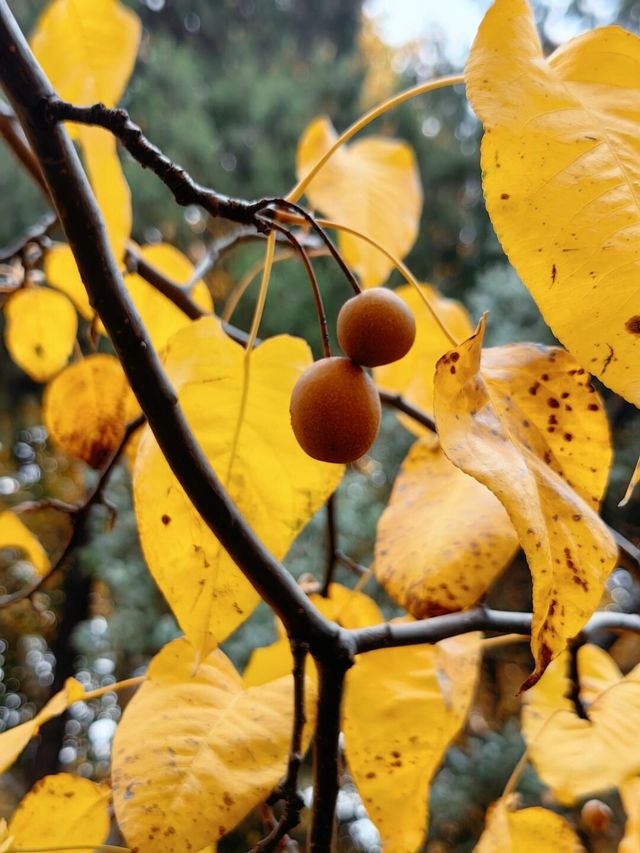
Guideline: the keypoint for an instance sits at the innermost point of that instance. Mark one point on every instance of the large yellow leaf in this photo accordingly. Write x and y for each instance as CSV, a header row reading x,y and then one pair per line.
x,y
524,831
14,534
84,408
40,332
402,709
443,537
87,48
561,176
577,756
14,740
412,376
114,199
62,811
109,185
373,186
277,487
161,317
211,750
527,424
348,607
630,795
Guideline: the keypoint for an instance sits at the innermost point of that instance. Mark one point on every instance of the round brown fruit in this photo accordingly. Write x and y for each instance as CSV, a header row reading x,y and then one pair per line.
x,y
376,327
595,816
335,410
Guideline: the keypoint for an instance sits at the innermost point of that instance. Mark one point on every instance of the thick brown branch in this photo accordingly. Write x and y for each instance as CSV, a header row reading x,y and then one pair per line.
x,y
326,779
32,98
438,628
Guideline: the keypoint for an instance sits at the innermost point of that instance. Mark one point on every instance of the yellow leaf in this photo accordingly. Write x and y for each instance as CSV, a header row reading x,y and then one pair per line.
x,y
633,482
561,178
114,200
576,757
16,535
373,186
40,331
14,740
61,272
159,315
402,709
528,425
443,537
62,810
538,829
87,48
84,408
112,193
268,663
277,487
348,607
630,795
412,376
211,751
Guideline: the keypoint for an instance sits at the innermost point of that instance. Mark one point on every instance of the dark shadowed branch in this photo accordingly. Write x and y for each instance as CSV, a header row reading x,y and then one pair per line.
x,y
288,790
78,514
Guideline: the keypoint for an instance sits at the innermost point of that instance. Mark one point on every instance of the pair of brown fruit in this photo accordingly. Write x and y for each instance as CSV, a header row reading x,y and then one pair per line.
x,y
335,407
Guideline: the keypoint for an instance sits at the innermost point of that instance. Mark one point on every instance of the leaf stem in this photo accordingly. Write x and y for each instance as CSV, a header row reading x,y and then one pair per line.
x,y
422,88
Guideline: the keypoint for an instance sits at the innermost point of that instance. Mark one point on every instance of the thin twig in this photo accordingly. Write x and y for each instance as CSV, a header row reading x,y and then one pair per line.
x,y
351,564
14,137
78,514
37,233
332,545
293,802
397,401
313,281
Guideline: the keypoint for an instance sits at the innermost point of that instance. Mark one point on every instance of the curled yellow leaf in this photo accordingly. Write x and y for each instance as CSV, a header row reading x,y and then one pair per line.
x,y
575,756
84,408
526,423
14,740
41,331
373,186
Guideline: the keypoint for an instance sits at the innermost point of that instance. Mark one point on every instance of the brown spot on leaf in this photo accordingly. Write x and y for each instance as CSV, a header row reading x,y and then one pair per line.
x,y
165,519
633,324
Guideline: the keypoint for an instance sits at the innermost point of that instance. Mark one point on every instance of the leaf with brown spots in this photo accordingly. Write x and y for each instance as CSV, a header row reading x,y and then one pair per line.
x,y
276,486
511,831
211,751
40,332
84,408
402,709
524,421
561,179
577,757
81,810
443,537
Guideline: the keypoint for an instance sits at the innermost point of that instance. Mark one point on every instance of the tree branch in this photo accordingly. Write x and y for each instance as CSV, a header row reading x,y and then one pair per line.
x,y
390,635
326,782
397,401
78,514
293,802
32,98
14,137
